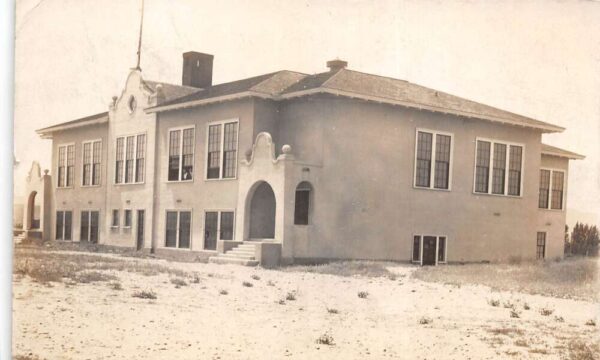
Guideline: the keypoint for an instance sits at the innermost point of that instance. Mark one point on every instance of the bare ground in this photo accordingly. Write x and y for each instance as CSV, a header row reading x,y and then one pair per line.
x,y
208,311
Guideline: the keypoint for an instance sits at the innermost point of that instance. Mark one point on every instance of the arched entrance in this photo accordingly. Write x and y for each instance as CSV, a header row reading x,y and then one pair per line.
x,y
33,216
262,212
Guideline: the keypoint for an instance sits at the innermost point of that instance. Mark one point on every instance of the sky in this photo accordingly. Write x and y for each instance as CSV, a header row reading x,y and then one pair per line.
x,y
536,58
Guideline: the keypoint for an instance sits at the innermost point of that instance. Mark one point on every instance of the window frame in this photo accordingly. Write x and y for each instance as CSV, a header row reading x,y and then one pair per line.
x,y
218,211
552,171
222,146
543,246
194,172
113,218
89,234
178,211
125,226
506,169
91,142
434,134
437,248
64,211
309,209
66,166
124,165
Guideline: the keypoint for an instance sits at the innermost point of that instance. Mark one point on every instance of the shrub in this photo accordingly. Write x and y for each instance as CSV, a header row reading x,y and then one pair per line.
x,y
178,282
281,302
332,311
247,284
494,302
255,277
424,320
546,311
115,285
559,318
291,296
590,322
145,294
515,314
508,305
579,350
325,339
522,343
363,294
87,277
223,292
526,306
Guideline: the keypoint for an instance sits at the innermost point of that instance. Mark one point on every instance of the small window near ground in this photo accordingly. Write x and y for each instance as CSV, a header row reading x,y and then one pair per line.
x,y
115,218
416,256
302,203
127,218
541,245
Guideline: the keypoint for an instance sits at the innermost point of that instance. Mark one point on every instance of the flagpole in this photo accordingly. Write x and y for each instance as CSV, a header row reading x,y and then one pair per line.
x,y
139,50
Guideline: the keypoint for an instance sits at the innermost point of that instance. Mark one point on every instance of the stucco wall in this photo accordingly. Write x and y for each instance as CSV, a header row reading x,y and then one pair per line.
x,y
78,197
365,205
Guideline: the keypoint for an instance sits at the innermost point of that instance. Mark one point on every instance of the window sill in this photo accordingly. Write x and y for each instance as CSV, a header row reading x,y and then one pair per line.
x,y
64,187
499,195
179,181
221,179
91,186
177,248
431,188
129,184
552,210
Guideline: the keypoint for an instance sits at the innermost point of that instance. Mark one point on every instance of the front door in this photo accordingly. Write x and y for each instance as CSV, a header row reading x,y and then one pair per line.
x,y
94,223
429,245
140,230
211,226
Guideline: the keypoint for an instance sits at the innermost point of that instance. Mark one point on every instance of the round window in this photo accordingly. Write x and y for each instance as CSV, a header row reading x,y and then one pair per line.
x,y
131,104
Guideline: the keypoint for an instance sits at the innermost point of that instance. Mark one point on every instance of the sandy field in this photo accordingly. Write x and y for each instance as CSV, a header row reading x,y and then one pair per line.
x,y
215,316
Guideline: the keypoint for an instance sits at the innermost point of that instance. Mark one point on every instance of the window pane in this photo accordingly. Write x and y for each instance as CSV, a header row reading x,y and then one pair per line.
x,y
416,248
442,161
68,218
230,150
558,179
214,152
442,249
499,172
544,189
423,171
94,222
188,155
301,207
185,220
227,225
96,160
119,161
129,159
482,167
61,166
541,245
70,164
85,229
115,218
210,230
174,138
59,225
87,163
140,158
171,232
514,170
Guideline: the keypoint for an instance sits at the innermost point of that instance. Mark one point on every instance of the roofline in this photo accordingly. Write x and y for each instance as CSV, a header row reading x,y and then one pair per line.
x,y
217,99
100,118
566,155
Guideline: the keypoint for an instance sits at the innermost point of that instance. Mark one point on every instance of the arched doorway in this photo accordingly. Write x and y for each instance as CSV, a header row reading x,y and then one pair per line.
x,y
33,215
262,212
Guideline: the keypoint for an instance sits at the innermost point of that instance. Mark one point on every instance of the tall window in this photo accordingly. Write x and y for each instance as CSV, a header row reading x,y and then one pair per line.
x,y
178,229
541,245
91,163
500,157
127,218
222,139
129,159
64,221
218,225
140,161
89,226
115,218
66,165
432,164
302,203
552,184
181,154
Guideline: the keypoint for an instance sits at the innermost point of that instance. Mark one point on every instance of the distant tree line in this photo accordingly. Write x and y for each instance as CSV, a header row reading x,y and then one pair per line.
x,y
583,240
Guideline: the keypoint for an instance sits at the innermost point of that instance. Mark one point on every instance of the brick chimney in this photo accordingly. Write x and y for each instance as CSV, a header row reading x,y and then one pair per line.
x,y
197,69
337,64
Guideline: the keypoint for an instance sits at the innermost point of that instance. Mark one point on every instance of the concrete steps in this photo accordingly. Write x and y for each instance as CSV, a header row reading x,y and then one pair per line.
x,y
242,254
17,239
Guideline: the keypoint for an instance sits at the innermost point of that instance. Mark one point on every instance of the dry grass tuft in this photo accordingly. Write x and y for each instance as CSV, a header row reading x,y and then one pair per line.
x,y
371,269
522,343
178,282
363,294
115,285
546,311
145,294
575,278
579,350
515,313
590,322
247,284
506,331
325,339
291,296
424,320
494,302
332,311
255,277
223,292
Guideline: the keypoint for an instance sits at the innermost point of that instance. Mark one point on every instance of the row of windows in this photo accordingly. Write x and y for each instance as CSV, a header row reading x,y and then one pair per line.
x,y
89,222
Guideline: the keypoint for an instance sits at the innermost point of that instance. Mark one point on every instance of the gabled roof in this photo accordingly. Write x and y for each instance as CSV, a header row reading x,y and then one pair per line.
x,y
554,151
100,118
171,91
353,84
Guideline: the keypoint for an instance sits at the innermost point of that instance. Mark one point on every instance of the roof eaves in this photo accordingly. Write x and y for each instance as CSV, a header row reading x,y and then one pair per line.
x,y
194,103
558,152
546,128
100,118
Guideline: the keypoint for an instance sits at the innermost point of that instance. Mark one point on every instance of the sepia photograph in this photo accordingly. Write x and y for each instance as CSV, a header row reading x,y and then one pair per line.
x,y
305,179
